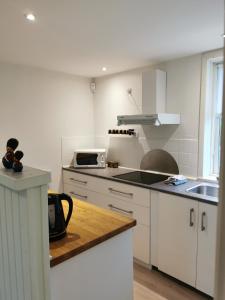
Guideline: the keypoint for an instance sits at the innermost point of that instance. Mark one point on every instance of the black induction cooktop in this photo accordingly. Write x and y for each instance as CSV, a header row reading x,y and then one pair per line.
x,y
142,177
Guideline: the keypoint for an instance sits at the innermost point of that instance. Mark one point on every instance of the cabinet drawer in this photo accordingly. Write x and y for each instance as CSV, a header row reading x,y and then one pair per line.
x,y
126,192
140,213
85,195
79,180
129,193
77,192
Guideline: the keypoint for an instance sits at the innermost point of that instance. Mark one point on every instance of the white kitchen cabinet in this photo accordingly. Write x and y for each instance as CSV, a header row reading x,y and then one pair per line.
x,y
141,232
177,240
122,198
175,234
206,248
183,239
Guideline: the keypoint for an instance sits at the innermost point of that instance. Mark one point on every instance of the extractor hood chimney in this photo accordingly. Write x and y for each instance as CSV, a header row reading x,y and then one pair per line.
x,y
153,102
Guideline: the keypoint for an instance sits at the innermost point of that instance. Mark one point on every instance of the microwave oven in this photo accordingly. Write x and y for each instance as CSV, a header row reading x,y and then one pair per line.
x,y
90,158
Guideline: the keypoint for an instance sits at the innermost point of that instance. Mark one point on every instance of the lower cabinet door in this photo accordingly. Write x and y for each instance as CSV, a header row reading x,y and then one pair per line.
x,y
177,240
206,248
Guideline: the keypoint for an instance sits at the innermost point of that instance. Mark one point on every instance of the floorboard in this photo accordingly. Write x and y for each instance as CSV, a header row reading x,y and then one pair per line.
x,y
154,285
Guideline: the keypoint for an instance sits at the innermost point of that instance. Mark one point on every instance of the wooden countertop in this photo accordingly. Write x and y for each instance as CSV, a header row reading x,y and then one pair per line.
x,y
89,226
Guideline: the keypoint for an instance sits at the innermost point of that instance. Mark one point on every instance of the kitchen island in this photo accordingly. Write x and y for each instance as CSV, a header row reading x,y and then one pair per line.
x,y
95,260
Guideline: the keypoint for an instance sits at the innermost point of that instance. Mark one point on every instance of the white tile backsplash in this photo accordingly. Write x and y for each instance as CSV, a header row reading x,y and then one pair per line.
x,y
175,156
172,145
188,171
129,151
188,159
188,146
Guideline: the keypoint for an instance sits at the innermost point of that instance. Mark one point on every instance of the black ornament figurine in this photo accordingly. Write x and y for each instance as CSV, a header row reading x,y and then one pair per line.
x,y
8,159
17,165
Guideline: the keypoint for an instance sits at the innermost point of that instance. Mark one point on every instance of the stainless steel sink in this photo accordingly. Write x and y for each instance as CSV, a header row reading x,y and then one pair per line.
x,y
205,189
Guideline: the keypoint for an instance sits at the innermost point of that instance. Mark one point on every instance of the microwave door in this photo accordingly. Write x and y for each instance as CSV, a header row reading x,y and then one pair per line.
x,y
87,159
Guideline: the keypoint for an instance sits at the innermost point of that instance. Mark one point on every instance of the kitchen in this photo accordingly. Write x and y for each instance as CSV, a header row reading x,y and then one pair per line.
x,y
57,98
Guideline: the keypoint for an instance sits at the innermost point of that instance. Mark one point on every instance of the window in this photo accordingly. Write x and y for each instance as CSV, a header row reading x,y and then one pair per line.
x,y
211,115
217,117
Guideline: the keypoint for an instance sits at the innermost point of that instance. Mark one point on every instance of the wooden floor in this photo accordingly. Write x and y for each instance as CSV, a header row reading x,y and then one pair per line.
x,y
154,285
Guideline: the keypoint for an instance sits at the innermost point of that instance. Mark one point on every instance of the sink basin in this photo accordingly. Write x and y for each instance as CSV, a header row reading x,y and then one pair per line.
x,y
205,190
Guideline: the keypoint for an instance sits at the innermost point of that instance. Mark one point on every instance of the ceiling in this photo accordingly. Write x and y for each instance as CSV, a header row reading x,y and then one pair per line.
x,y
82,36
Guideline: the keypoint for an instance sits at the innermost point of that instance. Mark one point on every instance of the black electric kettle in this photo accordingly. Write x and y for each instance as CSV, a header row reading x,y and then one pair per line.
x,y
56,219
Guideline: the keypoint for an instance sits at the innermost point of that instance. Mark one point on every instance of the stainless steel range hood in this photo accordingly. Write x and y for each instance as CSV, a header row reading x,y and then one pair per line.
x,y
153,119
153,102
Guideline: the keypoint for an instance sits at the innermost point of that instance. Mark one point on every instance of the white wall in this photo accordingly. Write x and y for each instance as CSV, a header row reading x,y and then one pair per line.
x,y
183,96
39,108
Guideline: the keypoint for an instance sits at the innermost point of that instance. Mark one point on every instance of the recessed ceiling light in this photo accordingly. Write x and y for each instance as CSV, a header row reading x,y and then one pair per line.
x,y
104,69
223,35
30,17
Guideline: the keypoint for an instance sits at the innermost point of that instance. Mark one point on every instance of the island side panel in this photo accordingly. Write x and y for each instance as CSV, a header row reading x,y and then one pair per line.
x,y
102,272
24,259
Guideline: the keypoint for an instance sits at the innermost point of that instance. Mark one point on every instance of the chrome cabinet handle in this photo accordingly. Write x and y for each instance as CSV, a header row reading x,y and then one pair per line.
x,y
203,228
79,195
79,181
191,217
121,193
129,212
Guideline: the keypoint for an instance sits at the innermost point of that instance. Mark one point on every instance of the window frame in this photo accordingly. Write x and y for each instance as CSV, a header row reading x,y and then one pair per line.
x,y
214,116
206,123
